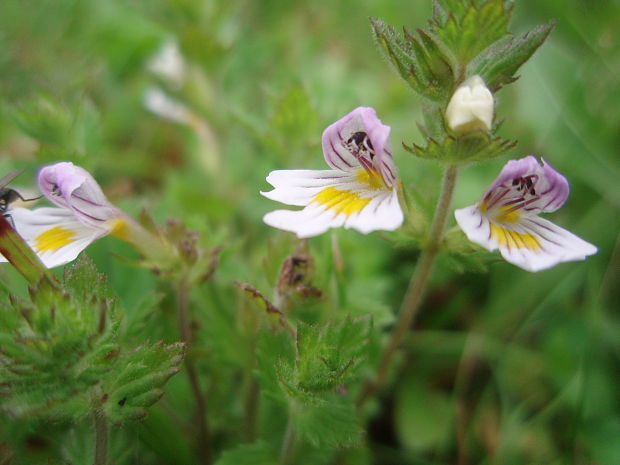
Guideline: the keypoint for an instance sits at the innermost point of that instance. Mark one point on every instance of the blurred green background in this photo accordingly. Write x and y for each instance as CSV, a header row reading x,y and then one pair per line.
x,y
505,367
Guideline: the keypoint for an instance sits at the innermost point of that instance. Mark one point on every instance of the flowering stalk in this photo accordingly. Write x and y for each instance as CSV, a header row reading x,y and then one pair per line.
x,y
182,292
417,285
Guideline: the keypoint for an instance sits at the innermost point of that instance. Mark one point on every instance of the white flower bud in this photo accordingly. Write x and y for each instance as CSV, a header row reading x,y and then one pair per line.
x,y
471,107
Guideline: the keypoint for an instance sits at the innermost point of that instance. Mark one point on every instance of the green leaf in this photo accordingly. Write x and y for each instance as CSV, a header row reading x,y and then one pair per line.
x,y
329,355
467,28
498,63
258,453
473,147
420,59
275,358
327,423
137,380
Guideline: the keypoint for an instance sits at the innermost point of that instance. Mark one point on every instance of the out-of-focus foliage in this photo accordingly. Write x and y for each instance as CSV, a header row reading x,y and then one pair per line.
x,y
506,367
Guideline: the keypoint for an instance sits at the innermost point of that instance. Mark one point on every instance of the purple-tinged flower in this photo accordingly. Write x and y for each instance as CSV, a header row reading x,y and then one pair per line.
x,y
507,217
83,215
72,187
359,192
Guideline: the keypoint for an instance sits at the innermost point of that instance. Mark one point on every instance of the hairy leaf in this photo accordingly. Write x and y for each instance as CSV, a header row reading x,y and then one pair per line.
x,y
467,28
138,378
328,423
473,147
498,63
421,59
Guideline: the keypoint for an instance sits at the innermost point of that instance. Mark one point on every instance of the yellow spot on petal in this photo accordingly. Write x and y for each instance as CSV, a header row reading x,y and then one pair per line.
x,y
372,180
54,239
511,239
506,215
119,229
341,201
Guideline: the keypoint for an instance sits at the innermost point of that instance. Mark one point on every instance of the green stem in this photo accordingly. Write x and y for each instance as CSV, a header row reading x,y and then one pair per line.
x,y
101,438
417,285
288,442
192,375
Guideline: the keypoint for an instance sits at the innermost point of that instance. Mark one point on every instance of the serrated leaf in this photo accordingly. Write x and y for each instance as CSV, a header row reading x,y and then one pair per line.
x,y
258,453
443,8
328,356
328,423
137,380
469,28
498,63
473,147
420,59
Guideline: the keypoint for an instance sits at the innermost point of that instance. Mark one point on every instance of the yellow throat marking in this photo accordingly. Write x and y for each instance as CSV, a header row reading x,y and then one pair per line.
x,y
348,202
509,239
54,239
372,180
505,214
119,229
341,201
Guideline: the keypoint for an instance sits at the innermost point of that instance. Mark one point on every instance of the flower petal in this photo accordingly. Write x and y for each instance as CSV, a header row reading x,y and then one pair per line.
x,y
350,204
72,187
298,187
527,187
533,244
54,234
359,139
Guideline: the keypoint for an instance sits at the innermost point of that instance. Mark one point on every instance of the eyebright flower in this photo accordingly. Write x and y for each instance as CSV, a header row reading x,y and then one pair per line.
x,y
359,192
507,217
471,107
83,215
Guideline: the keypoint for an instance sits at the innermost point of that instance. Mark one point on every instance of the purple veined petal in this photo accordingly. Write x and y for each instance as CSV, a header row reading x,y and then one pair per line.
x,y
533,244
359,139
72,187
348,202
525,187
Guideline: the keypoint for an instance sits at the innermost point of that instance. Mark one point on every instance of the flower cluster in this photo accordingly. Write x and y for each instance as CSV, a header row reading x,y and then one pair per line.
x,y
360,191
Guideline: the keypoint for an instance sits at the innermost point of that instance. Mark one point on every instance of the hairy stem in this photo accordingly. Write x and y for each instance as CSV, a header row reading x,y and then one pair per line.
x,y
417,285
192,375
101,438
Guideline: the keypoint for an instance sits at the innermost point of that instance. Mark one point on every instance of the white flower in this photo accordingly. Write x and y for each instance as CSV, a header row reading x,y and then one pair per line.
x,y
507,217
359,192
83,215
471,107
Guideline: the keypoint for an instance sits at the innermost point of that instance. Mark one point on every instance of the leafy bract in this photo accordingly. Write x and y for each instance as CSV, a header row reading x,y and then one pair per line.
x,y
60,356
